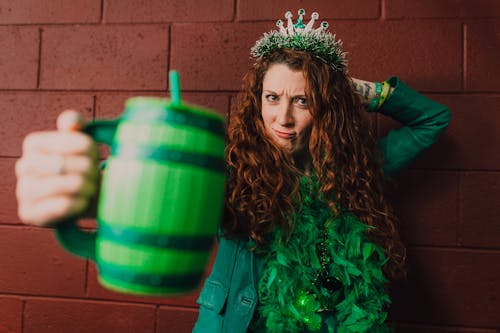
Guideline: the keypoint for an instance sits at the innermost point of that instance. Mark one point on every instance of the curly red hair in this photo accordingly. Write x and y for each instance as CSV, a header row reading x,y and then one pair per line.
x,y
263,180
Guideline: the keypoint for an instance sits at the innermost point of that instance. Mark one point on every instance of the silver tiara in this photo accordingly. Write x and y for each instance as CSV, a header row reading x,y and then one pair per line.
x,y
298,36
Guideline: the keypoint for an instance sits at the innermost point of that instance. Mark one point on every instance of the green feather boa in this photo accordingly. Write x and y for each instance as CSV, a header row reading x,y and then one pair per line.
x,y
288,299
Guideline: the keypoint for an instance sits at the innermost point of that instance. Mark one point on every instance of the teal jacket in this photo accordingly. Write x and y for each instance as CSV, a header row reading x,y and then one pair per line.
x,y
229,296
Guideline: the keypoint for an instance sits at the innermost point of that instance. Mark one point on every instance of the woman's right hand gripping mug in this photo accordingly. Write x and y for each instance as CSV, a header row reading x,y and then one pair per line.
x,y
161,197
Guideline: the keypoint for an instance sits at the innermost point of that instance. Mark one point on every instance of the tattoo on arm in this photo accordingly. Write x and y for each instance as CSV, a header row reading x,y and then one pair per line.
x,y
367,91
358,88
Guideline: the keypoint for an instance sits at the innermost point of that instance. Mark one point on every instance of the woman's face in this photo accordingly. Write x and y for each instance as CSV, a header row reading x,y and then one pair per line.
x,y
285,108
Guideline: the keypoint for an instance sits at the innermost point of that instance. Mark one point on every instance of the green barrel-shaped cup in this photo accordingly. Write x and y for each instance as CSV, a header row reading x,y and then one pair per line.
x,y
161,197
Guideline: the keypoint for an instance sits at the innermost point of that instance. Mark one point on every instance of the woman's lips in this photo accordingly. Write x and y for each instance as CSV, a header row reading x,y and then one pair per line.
x,y
284,135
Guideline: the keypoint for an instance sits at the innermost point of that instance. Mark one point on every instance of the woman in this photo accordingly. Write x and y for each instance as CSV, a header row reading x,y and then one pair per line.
x,y
308,240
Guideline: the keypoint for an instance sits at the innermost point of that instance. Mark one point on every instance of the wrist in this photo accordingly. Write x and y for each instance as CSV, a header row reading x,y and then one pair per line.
x,y
385,92
375,100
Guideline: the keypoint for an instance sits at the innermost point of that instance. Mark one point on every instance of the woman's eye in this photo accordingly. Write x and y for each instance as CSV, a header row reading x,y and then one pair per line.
x,y
302,101
272,98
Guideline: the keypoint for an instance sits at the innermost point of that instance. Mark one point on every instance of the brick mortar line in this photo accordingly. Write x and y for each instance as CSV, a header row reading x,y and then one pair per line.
x,y
464,56
125,91
28,297
460,171
169,61
101,18
230,103
430,325
462,92
23,314
86,279
460,222
478,93
113,24
378,19
39,69
456,18
178,307
94,107
469,249
157,319
374,19
94,91
235,11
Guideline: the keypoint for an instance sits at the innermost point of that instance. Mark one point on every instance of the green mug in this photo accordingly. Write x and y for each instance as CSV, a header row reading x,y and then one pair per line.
x,y
161,196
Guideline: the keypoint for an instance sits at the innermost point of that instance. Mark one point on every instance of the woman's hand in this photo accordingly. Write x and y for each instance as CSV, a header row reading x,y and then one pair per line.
x,y
57,174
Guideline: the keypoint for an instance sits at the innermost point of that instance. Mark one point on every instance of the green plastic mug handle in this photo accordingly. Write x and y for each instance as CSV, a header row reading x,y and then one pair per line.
x,y
69,235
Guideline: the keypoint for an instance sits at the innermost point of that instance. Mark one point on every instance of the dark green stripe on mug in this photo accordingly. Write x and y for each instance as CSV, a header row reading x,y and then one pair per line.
x,y
149,279
177,117
134,236
164,154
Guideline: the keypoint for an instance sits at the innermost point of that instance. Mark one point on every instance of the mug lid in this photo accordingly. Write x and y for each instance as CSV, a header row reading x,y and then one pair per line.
x,y
154,109
140,103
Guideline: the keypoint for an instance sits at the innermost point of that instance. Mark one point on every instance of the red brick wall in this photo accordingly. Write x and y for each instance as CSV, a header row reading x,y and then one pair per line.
x,y
92,54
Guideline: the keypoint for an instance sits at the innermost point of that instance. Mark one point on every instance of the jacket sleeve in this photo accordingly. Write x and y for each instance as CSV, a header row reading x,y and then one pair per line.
x,y
423,122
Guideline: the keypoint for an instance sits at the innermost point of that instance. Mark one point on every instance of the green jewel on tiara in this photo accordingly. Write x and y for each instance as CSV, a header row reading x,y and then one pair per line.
x,y
317,41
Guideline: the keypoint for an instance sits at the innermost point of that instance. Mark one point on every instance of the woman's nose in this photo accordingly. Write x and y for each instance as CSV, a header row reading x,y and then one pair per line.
x,y
284,116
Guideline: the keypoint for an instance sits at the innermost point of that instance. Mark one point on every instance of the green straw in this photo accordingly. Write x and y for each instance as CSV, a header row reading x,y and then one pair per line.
x,y
175,87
